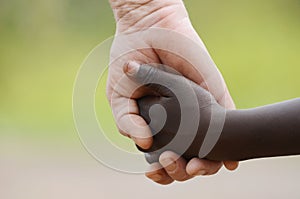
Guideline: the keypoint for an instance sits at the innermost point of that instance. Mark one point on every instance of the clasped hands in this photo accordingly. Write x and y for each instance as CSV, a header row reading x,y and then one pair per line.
x,y
171,15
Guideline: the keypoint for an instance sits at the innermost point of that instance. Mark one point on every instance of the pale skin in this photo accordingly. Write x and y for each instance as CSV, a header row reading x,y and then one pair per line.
x,y
136,15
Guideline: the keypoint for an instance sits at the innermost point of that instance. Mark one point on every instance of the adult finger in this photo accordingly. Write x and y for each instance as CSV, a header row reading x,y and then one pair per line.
x,y
157,174
231,165
198,166
174,165
129,122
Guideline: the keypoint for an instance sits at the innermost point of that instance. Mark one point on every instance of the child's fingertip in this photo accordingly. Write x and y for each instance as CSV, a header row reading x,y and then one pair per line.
x,y
131,68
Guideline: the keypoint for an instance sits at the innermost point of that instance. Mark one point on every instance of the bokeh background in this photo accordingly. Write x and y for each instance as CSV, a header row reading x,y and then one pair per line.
x,y
256,45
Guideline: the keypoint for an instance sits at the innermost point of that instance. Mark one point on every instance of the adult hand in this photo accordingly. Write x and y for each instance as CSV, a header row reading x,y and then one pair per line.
x,y
132,18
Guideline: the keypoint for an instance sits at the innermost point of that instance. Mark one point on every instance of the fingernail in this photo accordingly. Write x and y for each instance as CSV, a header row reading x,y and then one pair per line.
x,y
169,164
201,173
156,177
132,68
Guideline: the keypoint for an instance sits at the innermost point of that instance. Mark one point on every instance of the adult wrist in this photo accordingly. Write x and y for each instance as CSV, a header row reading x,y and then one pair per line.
x,y
144,13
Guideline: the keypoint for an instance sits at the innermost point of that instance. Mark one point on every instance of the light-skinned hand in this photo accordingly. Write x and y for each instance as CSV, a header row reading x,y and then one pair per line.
x,y
133,17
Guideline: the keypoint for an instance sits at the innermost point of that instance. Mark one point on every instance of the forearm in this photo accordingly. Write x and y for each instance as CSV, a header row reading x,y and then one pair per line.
x,y
268,131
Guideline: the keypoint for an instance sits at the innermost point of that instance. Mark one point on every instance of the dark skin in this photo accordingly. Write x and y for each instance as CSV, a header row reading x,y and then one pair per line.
x,y
268,131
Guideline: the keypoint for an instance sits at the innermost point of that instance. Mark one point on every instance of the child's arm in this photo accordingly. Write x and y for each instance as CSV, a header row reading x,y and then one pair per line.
x,y
269,131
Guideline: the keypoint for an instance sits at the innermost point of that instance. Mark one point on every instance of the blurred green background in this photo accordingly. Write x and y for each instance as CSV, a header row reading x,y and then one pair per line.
x,y
255,44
